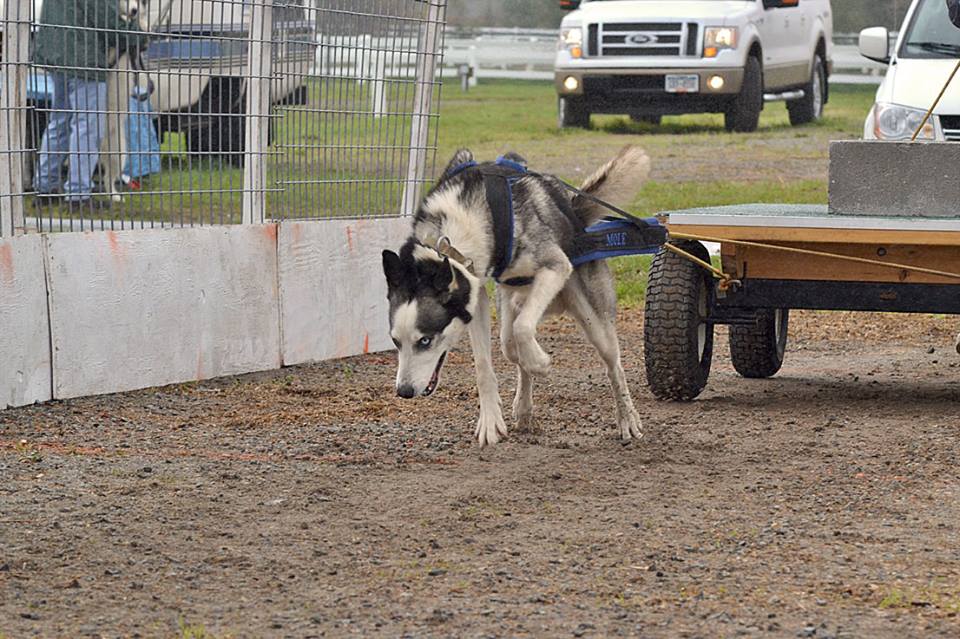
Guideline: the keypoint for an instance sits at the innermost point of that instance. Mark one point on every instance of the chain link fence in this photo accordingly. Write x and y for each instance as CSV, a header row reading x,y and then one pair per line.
x,y
118,114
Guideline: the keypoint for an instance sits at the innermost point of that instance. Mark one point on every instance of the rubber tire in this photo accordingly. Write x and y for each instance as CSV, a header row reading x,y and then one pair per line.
x,y
743,113
757,351
573,113
808,108
647,119
677,291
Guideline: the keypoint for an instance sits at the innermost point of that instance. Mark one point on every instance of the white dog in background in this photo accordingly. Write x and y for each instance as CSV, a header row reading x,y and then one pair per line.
x,y
120,83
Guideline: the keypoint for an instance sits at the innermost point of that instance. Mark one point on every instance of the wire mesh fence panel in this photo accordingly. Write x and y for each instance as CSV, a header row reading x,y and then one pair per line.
x,y
360,136
118,114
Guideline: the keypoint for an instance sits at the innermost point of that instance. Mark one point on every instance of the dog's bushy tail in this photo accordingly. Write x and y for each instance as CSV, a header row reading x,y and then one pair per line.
x,y
617,182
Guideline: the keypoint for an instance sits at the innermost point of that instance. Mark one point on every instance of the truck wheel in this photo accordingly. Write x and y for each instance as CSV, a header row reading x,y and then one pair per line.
x,y
809,108
743,114
757,350
573,112
647,119
678,339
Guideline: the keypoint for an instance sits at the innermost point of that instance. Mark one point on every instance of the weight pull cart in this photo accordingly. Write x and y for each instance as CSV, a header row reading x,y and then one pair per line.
x,y
775,258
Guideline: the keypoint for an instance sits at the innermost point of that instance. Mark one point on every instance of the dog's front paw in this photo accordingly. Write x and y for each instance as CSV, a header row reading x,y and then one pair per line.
x,y
533,360
630,426
523,416
490,426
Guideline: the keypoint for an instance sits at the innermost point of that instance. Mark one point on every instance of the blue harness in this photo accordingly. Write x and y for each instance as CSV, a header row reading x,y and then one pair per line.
x,y
610,237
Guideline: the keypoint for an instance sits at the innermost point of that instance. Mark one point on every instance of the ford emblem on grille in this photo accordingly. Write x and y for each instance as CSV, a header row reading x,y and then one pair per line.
x,y
639,38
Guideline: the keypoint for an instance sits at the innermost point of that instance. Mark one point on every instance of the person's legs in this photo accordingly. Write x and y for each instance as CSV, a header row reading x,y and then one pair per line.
x,y
55,144
88,98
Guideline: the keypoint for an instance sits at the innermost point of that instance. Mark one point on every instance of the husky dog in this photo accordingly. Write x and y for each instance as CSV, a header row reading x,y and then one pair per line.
x,y
436,284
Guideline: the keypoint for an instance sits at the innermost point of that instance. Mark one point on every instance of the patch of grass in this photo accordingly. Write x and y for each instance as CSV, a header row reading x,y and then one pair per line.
x,y
194,631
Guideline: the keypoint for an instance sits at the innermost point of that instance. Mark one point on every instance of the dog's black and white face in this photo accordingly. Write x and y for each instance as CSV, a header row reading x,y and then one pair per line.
x,y
431,302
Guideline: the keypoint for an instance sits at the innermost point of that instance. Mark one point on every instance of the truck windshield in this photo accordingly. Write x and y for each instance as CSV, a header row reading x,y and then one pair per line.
x,y
931,34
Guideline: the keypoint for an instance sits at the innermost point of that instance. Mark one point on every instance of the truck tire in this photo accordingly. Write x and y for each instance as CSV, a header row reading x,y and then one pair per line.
x,y
678,341
573,112
743,113
757,350
647,119
809,108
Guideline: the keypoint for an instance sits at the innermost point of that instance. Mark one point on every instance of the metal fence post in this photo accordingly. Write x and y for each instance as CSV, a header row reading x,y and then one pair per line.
x,y
13,102
428,58
259,72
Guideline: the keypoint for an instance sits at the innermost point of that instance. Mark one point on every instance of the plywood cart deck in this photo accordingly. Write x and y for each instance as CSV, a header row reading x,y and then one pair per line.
x,y
900,264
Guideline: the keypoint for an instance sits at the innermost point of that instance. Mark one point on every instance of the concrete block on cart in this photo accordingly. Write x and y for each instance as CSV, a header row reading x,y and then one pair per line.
x,y
133,309
894,179
332,291
24,323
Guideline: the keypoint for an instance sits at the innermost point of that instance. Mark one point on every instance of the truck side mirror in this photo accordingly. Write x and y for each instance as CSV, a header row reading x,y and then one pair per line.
x,y
875,44
569,5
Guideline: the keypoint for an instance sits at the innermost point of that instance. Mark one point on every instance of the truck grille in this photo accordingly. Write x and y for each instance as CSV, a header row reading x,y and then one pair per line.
x,y
951,127
643,39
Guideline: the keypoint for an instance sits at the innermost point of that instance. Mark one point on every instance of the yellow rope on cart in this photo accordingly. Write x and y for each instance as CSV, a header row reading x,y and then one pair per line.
x,y
936,102
793,249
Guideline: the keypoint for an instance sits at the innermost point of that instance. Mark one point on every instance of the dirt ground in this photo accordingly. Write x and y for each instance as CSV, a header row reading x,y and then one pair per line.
x,y
311,502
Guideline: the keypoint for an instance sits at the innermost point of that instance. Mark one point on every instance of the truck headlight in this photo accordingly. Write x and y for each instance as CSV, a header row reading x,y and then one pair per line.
x,y
895,122
571,39
716,39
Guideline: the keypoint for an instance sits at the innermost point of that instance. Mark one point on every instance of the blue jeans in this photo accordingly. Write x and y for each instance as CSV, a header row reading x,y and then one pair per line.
x,y
76,125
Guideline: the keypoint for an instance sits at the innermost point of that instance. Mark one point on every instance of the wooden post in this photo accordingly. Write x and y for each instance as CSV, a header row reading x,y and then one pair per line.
x,y
259,70
428,58
13,103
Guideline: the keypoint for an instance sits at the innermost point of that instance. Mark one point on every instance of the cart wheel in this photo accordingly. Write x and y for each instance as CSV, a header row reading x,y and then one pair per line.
x,y
678,341
757,350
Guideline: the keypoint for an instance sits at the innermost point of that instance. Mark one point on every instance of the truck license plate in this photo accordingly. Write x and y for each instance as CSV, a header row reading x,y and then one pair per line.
x,y
682,83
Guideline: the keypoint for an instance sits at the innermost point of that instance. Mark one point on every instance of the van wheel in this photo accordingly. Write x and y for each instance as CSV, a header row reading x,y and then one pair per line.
x,y
573,112
809,108
743,114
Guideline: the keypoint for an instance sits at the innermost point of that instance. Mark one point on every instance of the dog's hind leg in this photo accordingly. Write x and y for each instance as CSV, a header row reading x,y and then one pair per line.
x,y
547,284
523,400
112,146
591,298
490,426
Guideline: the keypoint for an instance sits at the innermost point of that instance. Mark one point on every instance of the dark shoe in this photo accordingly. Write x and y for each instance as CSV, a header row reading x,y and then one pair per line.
x,y
43,200
88,205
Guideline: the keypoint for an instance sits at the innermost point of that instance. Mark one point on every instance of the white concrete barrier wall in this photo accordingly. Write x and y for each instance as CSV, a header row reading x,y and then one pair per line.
x,y
332,290
24,323
134,309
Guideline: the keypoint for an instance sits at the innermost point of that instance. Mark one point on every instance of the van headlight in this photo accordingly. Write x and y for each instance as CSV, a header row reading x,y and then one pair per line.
x,y
895,122
716,39
571,39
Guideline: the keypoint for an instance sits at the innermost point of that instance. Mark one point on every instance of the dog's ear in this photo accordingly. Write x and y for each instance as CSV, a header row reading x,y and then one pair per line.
x,y
445,281
462,156
392,269
519,159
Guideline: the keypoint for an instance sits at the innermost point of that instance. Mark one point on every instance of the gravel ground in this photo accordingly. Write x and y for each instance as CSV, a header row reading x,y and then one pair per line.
x,y
311,502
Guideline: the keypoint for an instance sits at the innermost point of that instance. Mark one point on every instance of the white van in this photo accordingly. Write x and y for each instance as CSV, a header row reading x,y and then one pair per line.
x,y
924,55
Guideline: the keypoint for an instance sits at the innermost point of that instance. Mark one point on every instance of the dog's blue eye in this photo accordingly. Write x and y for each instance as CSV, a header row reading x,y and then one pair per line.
x,y
425,341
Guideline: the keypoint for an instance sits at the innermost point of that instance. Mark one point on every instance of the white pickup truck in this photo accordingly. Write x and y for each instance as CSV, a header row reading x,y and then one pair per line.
x,y
648,59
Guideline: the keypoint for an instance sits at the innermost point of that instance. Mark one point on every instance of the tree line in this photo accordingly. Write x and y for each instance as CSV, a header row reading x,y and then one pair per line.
x,y
849,16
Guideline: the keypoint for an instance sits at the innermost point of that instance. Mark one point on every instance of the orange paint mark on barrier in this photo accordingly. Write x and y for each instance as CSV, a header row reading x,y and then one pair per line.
x,y
270,230
116,249
350,239
6,264
366,343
